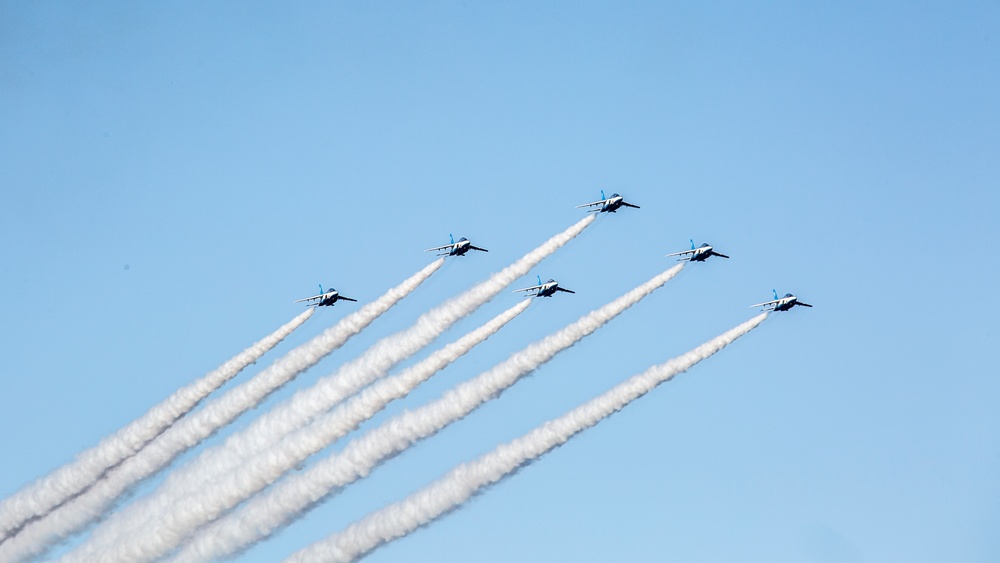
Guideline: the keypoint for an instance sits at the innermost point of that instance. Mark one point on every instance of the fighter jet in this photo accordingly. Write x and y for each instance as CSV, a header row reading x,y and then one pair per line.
x,y
781,303
456,248
699,254
546,289
607,204
325,298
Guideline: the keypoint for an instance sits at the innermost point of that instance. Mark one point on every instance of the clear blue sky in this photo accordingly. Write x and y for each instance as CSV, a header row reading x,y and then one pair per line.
x,y
173,176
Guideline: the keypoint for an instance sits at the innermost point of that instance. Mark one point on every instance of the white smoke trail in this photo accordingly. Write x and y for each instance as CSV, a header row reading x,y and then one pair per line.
x,y
306,405
469,479
182,516
49,492
74,515
270,511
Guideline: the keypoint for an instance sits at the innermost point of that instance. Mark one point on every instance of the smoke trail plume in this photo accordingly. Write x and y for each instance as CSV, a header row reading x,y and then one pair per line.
x,y
469,479
179,517
307,404
74,515
270,511
49,492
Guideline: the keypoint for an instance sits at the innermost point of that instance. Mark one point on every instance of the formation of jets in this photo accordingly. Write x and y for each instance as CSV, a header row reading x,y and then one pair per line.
x,y
549,288
456,248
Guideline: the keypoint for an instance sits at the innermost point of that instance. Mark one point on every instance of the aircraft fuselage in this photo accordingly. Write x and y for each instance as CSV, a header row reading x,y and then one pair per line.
x,y
786,303
460,248
613,204
701,254
329,300
548,289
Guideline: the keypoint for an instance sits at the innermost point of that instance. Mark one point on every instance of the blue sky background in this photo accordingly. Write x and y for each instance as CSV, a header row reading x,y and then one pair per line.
x,y
173,176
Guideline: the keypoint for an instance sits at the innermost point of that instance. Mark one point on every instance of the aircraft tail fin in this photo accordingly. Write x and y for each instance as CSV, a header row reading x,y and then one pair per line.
x,y
452,238
321,289
602,195
692,243
539,280
775,291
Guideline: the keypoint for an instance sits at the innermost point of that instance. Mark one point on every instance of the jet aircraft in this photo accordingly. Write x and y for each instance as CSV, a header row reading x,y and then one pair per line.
x,y
699,254
607,204
325,298
546,289
781,303
456,248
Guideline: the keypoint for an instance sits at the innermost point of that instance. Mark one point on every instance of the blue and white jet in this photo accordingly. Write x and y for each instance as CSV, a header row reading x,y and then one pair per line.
x,y
546,289
325,298
456,248
700,254
607,204
781,303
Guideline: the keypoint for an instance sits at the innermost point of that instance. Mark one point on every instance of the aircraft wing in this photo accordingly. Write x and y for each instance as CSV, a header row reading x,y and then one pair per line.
x,y
626,204
771,303
342,298
477,248
601,202
714,253
803,304
440,248
309,298
682,253
564,289
532,288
